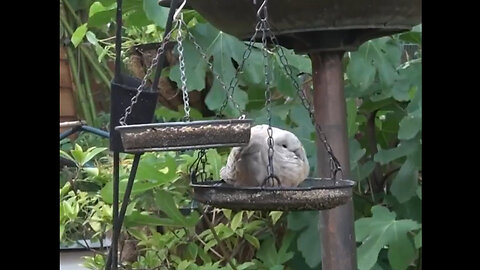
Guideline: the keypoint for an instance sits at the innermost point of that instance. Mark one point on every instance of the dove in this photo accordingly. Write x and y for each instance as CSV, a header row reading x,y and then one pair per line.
x,y
247,166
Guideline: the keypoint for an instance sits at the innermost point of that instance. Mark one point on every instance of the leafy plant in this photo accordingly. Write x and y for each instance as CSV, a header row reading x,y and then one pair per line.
x,y
383,91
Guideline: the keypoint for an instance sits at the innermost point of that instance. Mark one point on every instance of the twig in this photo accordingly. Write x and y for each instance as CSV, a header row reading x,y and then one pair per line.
x,y
220,243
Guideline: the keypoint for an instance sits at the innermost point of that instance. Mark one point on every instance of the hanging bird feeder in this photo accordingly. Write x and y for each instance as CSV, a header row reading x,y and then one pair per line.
x,y
312,193
173,136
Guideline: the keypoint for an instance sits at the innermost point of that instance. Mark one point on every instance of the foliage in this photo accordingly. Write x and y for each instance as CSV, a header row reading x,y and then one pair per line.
x,y
384,114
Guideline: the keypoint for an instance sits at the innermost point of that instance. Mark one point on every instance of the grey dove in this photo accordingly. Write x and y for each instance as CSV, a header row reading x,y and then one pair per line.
x,y
247,166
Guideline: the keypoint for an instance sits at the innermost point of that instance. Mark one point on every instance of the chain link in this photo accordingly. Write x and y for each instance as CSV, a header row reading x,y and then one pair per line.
x,y
183,78
268,93
154,63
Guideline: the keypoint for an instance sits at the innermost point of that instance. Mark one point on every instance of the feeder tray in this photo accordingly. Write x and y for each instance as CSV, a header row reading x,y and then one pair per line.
x,y
307,25
311,194
185,135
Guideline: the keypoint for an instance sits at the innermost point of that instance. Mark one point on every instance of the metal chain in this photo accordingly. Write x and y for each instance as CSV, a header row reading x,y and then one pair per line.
x,y
268,94
194,167
217,76
154,63
335,166
183,78
234,81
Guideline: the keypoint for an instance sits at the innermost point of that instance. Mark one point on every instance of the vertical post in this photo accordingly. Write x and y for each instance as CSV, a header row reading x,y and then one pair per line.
x,y
336,225
116,182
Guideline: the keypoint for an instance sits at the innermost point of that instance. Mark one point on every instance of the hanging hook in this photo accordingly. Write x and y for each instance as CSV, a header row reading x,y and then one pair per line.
x,y
179,9
264,8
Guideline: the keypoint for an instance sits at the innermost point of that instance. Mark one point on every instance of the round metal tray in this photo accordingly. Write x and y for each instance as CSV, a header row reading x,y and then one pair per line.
x,y
311,194
176,136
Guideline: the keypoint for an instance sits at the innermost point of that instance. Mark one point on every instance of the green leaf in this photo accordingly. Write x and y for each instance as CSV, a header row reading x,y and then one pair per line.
x,y
155,12
360,71
167,205
356,151
401,253
91,171
92,38
352,126
410,126
101,18
67,156
138,234
183,265
405,183
95,8
214,163
192,251
384,156
236,220
195,68
91,153
137,218
62,231
378,231
152,168
275,216
270,256
227,213
419,192
418,240
78,35
252,240
137,18
308,240
410,77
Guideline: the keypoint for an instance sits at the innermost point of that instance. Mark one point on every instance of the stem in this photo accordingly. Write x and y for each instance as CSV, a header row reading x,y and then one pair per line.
x,y
81,96
96,66
88,91
220,243
74,15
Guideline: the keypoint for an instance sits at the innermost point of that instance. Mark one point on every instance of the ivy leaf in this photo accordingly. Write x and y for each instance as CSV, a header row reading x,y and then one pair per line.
x,y
380,230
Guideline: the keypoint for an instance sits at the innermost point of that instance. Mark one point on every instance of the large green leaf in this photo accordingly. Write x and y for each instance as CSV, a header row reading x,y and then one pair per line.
x,y
405,183
360,71
151,168
195,68
378,56
155,12
308,241
270,256
380,230
410,126
384,156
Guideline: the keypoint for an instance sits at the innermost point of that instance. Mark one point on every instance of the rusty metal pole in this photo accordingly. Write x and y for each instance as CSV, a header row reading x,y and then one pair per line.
x,y
336,225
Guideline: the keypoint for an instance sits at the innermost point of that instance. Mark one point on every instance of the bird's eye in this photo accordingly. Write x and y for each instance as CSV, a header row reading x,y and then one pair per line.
x,y
284,145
